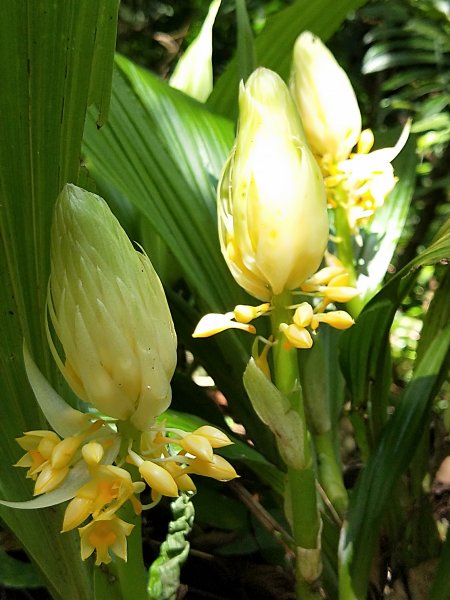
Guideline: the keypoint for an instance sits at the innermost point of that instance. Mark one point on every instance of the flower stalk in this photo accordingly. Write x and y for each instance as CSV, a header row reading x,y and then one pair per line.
x,y
302,502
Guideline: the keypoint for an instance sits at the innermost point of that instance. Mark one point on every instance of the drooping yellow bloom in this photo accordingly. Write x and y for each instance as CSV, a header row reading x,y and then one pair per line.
x,y
273,225
103,536
109,311
325,99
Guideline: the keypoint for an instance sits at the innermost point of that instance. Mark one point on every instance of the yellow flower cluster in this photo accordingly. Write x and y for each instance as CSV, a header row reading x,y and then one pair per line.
x,y
330,284
117,350
358,181
164,461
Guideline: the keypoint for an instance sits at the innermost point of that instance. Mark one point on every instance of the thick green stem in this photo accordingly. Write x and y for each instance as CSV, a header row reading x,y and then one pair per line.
x,y
302,506
315,366
344,245
330,473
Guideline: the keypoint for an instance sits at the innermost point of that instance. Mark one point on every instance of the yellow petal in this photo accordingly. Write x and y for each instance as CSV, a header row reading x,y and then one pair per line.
x,y
339,319
298,336
213,323
303,315
158,478
216,438
197,445
340,294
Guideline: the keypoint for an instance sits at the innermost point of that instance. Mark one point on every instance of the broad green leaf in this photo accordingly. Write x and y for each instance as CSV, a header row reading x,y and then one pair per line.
x,y
440,589
246,55
364,346
51,58
164,574
163,152
17,574
390,459
274,46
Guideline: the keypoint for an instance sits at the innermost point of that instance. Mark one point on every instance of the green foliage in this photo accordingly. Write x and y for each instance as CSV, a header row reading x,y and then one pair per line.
x,y
55,59
156,155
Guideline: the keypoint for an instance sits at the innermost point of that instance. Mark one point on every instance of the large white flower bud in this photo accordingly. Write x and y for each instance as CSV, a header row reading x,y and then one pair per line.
x,y
273,224
109,311
325,99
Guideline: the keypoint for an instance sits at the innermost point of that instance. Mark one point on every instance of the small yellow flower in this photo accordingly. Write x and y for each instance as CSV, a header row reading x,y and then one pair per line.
x,y
366,177
158,478
108,489
39,446
213,323
103,536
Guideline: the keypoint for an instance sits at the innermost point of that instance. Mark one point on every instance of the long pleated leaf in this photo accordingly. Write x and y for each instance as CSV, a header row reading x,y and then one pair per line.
x,y
363,347
274,45
363,357
390,460
163,153
51,55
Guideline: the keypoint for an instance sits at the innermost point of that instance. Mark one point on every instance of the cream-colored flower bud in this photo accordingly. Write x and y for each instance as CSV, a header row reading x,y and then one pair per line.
x,y
49,479
325,99
197,445
303,315
92,453
216,438
339,319
299,337
273,224
64,451
193,74
109,310
218,468
158,478
340,294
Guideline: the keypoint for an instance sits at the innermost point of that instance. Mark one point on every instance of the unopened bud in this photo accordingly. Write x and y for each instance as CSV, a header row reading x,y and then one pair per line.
x,y
273,224
325,99
109,310
158,478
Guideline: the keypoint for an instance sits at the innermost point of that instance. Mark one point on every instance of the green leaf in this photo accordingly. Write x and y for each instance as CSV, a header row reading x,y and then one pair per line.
x,y
246,55
51,58
390,459
274,45
17,574
163,152
164,574
363,347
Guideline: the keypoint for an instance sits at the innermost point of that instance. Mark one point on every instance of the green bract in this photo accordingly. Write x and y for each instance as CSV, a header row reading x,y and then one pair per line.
x,y
109,311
